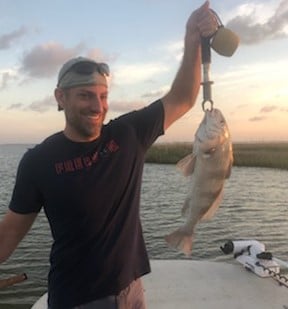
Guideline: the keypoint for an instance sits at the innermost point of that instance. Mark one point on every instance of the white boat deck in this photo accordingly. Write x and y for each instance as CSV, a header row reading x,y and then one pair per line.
x,y
197,284
186,284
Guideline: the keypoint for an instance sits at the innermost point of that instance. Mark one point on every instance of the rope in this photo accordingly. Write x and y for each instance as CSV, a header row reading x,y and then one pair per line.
x,y
281,279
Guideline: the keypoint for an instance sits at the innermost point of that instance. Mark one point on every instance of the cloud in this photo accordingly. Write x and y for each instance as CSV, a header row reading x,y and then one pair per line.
x,y
257,118
6,77
158,93
100,56
44,60
154,94
125,106
15,106
39,106
6,40
42,105
268,109
252,32
264,110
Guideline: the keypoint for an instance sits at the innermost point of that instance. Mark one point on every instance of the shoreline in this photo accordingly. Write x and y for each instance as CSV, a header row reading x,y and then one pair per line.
x,y
246,154
269,155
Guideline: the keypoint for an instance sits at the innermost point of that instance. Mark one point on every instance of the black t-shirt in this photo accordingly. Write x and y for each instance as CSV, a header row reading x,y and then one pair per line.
x,y
91,193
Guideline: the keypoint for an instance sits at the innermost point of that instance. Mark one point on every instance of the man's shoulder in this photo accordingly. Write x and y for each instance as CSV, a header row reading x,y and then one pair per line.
x,y
40,149
138,116
52,139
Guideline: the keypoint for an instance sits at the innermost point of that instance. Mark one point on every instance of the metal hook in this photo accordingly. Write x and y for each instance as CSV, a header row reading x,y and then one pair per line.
x,y
206,60
211,105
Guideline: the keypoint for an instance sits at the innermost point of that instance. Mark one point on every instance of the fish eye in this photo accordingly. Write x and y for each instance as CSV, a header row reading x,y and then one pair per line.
x,y
210,151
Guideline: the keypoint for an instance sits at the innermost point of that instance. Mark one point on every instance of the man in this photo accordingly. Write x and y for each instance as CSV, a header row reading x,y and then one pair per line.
x,y
88,177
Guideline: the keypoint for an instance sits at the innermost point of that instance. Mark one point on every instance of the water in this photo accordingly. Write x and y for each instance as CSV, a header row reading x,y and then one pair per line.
x,y
254,207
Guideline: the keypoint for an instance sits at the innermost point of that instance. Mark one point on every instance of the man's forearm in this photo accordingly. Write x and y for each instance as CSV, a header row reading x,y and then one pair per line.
x,y
13,228
185,87
186,84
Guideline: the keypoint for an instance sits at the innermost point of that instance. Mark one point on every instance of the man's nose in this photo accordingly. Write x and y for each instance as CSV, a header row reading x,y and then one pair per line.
x,y
96,105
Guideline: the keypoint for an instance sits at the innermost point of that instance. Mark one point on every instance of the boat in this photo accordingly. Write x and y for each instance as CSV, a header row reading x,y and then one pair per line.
x,y
252,282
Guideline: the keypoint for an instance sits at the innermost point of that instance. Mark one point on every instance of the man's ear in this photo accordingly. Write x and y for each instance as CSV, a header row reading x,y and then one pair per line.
x,y
60,98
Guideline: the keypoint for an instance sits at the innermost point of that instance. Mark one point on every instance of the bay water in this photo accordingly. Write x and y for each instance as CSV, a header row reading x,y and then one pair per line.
x,y
255,206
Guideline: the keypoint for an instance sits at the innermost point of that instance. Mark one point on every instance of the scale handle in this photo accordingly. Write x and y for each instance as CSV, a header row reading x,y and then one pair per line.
x,y
205,50
206,60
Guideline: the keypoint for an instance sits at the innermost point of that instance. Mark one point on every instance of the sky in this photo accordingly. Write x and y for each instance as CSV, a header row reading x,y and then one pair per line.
x,y
142,41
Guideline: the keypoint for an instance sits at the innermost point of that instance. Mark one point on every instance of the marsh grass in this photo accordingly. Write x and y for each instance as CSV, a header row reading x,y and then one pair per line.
x,y
271,155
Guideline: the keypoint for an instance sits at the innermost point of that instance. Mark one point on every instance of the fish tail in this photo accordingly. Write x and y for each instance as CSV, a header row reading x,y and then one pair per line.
x,y
180,241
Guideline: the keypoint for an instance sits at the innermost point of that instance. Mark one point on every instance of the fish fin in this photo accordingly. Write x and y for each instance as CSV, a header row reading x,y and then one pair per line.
x,y
180,241
214,207
228,174
185,207
187,164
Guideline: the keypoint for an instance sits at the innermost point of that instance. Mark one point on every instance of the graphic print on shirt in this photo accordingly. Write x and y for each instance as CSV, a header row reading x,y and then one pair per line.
x,y
81,162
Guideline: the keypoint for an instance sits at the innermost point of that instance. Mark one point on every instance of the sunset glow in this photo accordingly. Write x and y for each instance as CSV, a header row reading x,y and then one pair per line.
x,y
142,42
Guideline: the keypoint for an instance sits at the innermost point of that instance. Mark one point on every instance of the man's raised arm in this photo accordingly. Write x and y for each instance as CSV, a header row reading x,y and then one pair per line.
x,y
185,87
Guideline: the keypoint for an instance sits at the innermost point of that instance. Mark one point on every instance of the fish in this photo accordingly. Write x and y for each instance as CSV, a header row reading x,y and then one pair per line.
x,y
209,165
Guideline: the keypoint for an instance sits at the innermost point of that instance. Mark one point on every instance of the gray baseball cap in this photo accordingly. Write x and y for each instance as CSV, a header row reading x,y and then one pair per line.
x,y
82,71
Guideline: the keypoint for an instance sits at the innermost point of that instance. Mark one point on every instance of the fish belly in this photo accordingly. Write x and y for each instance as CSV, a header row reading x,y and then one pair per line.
x,y
202,202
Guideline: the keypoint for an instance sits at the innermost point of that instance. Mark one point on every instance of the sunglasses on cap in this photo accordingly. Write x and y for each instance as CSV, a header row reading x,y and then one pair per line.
x,y
87,68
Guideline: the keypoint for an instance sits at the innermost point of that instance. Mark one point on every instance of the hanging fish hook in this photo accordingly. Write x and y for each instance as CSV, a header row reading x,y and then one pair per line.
x,y
211,105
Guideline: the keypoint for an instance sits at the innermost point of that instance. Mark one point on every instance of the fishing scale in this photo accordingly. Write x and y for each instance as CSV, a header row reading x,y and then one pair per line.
x,y
224,42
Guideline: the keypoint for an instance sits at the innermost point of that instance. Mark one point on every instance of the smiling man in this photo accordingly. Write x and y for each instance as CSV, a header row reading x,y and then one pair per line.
x,y
88,180
82,93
